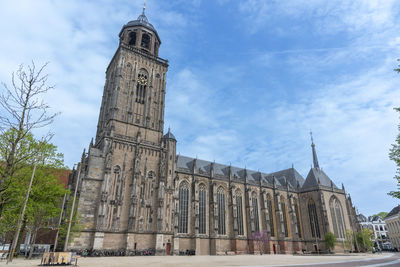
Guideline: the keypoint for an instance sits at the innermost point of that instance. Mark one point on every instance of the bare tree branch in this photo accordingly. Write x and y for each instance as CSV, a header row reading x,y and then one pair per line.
x,y
22,109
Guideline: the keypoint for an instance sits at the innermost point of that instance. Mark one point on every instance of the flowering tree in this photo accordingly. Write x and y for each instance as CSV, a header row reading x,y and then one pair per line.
x,y
260,239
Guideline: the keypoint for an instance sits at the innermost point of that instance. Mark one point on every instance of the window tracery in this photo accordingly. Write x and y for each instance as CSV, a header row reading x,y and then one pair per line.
x,y
202,209
337,217
239,212
183,207
221,211
313,216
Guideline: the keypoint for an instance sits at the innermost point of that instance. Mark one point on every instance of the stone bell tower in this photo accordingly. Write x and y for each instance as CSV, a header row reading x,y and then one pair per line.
x,y
126,174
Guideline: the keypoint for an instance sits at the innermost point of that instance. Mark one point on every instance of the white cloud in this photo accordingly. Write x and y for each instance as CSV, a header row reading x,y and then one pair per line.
x,y
78,38
331,16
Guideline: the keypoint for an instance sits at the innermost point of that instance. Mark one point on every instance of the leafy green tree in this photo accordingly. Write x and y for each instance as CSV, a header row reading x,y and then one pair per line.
x,y
364,238
394,155
46,194
349,239
76,227
398,68
330,241
381,214
44,202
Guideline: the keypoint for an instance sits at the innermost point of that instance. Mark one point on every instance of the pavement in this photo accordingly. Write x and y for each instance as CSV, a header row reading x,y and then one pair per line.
x,y
344,260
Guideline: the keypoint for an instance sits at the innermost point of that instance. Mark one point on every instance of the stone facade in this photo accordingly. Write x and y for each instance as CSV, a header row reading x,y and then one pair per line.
x,y
393,226
135,193
378,227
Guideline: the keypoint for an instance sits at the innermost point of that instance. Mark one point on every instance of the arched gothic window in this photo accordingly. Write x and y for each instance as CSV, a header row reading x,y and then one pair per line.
x,y
141,86
202,210
183,208
270,215
312,213
337,217
132,38
146,40
239,212
285,222
221,211
254,204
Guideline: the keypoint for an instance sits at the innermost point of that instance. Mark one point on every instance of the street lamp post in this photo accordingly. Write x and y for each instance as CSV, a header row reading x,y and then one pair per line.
x,y
72,208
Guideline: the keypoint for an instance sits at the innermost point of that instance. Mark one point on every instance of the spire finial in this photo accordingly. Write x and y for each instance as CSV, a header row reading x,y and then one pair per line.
x,y
144,6
312,140
315,159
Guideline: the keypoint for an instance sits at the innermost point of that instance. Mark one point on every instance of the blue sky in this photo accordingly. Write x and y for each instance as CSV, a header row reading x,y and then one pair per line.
x,y
247,79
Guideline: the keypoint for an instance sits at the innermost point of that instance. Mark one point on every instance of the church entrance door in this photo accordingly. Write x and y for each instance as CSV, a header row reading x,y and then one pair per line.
x,y
168,250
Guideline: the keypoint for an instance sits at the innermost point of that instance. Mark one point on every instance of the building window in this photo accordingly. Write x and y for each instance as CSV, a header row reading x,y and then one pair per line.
x,y
296,210
183,208
141,87
239,213
285,222
312,213
202,210
254,203
132,38
337,217
270,215
221,211
145,40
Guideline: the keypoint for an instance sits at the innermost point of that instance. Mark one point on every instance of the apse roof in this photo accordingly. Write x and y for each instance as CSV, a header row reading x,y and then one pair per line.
x,y
317,177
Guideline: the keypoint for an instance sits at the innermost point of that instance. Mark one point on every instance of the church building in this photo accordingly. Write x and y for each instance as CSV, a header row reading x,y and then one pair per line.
x,y
136,193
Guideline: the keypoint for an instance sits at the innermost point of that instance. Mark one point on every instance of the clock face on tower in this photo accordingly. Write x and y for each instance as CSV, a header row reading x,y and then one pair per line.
x,y
142,80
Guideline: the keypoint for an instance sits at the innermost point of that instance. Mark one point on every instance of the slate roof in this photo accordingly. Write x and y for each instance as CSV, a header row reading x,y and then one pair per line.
x,y
291,175
221,171
315,175
169,135
394,211
361,218
185,163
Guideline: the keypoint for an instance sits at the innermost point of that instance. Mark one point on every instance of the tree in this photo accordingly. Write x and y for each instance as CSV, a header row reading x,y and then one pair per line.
x,y
381,214
394,155
45,194
260,239
76,227
364,238
398,68
349,239
330,241
22,110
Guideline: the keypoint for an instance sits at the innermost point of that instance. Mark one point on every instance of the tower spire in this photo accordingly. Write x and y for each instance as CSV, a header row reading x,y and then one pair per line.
x,y
314,153
144,6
